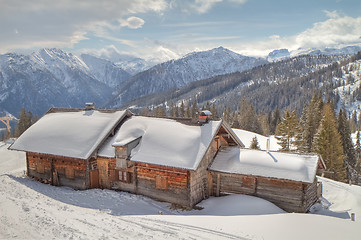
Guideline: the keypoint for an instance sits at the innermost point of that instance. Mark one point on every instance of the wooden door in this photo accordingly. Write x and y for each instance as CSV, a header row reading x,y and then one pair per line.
x,y
103,173
94,179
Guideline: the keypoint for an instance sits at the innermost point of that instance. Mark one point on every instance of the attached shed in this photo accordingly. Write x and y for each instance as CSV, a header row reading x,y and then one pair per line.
x,y
288,180
163,158
61,147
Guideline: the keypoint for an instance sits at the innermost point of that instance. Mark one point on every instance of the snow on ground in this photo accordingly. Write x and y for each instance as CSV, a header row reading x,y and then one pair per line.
x,y
32,210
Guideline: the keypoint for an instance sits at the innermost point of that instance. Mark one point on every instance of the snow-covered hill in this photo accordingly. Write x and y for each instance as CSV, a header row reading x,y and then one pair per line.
x,y
178,73
349,87
32,210
127,62
281,54
105,71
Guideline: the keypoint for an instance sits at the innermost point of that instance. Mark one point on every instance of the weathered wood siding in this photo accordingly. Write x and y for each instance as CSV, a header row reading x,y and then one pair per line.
x,y
163,183
287,195
199,179
231,183
291,196
58,170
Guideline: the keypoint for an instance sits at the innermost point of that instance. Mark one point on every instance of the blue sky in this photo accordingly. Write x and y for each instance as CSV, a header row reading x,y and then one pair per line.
x,y
165,29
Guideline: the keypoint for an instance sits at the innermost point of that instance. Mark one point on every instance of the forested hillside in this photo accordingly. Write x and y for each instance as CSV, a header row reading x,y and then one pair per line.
x,y
285,84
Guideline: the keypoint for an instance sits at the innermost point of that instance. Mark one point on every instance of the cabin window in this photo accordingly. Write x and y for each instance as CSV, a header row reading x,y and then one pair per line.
x,y
125,176
161,182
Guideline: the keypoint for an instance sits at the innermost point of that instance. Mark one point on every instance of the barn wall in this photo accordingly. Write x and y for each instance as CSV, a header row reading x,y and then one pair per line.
x,y
233,183
287,195
291,196
163,183
58,170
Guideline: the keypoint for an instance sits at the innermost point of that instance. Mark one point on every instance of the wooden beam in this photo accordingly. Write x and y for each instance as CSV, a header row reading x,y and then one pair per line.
x,y
6,120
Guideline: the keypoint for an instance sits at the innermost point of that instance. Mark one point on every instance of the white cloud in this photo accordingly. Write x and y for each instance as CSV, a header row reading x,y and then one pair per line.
x,y
336,31
132,22
333,14
43,23
201,6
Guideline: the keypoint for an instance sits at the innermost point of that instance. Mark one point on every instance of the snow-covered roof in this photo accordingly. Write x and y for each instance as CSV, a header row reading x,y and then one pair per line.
x,y
279,165
74,134
164,142
247,136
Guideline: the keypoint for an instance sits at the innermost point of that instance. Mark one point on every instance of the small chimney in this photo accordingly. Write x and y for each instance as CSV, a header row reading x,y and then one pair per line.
x,y
204,116
89,106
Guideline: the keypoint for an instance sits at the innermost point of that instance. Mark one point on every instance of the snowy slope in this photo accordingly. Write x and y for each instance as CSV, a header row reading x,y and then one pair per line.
x,y
178,73
106,71
281,54
348,84
32,210
52,77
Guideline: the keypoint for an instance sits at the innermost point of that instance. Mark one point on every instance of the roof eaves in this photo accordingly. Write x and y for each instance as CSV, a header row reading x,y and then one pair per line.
x,y
196,165
232,134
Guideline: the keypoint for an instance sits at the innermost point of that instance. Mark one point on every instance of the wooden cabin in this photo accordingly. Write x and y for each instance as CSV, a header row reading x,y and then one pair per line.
x,y
177,162
164,159
61,147
285,179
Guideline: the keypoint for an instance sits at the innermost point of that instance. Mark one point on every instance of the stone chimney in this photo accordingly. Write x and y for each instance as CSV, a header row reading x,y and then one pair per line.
x,y
89,106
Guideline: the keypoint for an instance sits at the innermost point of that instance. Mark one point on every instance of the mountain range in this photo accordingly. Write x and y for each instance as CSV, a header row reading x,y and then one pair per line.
x,y
52,77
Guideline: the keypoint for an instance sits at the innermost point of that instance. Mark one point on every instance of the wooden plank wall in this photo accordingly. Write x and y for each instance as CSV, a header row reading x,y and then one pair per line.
x,y
58,170
199,179
163,183
289,195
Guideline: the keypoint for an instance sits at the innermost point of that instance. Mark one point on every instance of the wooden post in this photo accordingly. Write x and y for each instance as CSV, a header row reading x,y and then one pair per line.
x,y
6,120
210,184
218,184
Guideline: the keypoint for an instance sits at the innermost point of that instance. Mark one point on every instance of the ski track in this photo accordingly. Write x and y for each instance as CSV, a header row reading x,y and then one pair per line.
x,y
50,217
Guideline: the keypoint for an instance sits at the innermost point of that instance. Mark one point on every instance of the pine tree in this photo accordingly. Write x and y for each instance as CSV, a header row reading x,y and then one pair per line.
x,y
264,122
182,111
327,143
194,110
358,149
275,120
287,130
160,112
227,117
145,112
254,143
6,135
247,117
310,122
345,132
214,111
187,112
24,122
172,110
235,123
353,122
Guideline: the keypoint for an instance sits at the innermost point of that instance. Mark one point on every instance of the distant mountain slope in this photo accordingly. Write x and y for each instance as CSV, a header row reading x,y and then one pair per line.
x,y
179,73
105,71
52,77
285,84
